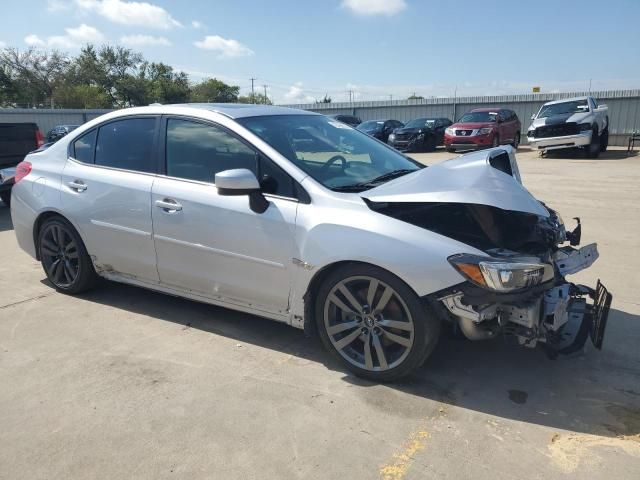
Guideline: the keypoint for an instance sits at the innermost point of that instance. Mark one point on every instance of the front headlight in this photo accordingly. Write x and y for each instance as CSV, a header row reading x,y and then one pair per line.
x,y
392,137
501,275
584,127
485,131
450,131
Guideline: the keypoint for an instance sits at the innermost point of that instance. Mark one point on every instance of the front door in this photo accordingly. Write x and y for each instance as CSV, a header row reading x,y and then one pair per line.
x,y
106,192
216,245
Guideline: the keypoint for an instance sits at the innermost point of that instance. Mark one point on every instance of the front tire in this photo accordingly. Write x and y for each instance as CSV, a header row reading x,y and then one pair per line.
x,y
451,150
64,257
374,323
604,140
496,141
593,149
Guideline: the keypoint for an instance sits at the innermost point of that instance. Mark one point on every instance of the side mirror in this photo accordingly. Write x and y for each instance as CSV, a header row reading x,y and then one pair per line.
x,y
241,181
533,117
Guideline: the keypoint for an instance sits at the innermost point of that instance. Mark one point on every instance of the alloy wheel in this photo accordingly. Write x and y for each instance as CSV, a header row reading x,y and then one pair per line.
x,y
60,255
368,323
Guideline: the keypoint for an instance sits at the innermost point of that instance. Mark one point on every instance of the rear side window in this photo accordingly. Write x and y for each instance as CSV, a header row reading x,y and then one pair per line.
x,y
127,144
84,147
197,151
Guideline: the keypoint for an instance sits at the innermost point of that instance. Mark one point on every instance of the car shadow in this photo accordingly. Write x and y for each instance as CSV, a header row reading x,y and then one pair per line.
x,y
5,218
595,393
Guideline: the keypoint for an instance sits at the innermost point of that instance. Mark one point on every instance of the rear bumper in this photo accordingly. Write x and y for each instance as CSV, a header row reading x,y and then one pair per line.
x,y
554,143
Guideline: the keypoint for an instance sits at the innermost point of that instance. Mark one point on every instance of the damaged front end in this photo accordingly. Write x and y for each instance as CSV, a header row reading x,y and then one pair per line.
x,y
518,288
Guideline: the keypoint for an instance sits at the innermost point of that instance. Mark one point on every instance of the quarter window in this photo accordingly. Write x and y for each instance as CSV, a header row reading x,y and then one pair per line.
x,y
127,144
84,147
196,151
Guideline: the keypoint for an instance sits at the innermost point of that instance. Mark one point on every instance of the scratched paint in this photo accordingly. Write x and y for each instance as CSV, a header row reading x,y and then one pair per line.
x,y
399,465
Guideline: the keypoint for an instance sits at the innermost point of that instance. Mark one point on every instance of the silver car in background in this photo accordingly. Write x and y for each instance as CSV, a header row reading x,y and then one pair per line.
x,y
302,219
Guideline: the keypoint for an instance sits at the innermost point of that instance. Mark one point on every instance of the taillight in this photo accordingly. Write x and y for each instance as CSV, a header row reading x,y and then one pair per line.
x,y
39,138
22,170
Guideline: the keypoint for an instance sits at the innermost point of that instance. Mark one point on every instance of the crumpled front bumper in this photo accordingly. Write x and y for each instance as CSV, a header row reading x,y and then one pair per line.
x,y
554,143
559,315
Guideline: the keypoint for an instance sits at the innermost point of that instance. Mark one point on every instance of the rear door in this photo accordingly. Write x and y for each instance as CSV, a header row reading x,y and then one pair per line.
x,y
106,191
16,140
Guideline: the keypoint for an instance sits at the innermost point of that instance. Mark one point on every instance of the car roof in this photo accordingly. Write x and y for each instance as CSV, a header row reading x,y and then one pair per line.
x,y
572,99
243,110
488,109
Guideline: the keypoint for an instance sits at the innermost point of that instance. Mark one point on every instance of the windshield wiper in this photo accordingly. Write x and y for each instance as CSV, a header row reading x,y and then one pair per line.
x,y
385,177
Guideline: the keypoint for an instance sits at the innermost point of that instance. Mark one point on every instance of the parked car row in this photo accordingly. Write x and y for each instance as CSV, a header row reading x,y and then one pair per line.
x,y
568,123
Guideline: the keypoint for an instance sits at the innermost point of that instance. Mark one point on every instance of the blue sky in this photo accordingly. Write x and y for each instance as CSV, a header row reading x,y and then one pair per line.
x,y
376,48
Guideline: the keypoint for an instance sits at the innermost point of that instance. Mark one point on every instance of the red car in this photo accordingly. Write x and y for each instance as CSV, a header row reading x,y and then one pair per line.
x,y
483,128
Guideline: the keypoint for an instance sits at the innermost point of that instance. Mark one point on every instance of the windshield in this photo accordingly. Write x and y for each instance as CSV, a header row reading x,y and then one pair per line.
x,y
578,106
473,117
331,152
421,123
371,125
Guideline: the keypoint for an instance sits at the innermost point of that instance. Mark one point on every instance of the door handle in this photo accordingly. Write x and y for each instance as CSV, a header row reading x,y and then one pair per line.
x,y
77,185
168,205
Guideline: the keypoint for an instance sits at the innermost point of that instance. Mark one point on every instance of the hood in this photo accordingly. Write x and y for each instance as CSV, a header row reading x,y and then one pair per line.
x,y
488,177
411,131
582,117
472,125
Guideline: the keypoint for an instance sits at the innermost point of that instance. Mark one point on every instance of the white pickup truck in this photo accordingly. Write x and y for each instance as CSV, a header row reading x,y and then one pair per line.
x,y
570,123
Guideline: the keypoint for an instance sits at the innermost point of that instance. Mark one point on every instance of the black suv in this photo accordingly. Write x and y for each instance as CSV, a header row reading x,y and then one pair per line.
x,y
380,129
348,119
420,135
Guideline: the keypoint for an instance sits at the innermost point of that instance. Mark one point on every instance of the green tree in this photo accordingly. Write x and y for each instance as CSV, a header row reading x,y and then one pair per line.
x,y
256,98
326,99
415,97
214,90
36,73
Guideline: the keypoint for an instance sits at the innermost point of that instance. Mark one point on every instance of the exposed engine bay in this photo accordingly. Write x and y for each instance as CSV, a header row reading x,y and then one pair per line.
x,y
519,289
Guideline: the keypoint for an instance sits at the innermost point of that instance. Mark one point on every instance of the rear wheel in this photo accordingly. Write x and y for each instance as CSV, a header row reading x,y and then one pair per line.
x,y
604,140
374,323
64,257
516,141
6,197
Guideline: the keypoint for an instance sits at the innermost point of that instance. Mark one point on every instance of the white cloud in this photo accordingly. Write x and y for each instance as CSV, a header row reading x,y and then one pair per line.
x,y
74,38
2,44
196,24
227,47
34,41
58,5
375,7
130,13
145,41
296,94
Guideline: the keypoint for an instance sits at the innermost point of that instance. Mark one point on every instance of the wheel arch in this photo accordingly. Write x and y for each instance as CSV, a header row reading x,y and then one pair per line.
x,y
311,292
39,221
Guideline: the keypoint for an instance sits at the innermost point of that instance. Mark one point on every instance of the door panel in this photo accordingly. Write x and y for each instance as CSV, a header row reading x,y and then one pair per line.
x,y
112,208
217,246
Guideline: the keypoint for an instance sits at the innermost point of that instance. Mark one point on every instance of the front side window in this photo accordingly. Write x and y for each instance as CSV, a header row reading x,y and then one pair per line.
x,y
84,147
127,144
339,157
197,151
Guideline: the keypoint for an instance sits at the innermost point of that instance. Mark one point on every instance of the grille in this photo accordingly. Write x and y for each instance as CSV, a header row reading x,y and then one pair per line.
x,y
463,133
556,130
403,136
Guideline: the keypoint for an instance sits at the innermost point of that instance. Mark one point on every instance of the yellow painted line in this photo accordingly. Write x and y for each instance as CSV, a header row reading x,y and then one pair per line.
x,y
400,463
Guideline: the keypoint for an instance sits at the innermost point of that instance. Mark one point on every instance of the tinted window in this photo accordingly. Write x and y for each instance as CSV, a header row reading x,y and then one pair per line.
x,y
197,151
84,147
127,144
275,180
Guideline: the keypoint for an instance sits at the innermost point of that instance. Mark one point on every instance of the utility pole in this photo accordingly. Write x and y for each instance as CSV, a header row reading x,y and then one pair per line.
x,y
351,96
589,86
391,98
253,95
265,94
